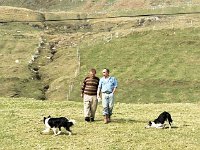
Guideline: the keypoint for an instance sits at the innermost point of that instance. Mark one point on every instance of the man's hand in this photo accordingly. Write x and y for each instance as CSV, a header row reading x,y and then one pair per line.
x,y
99,98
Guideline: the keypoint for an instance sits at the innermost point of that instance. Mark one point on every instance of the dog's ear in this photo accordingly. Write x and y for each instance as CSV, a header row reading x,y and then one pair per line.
x,y
49,116
150,123
44,119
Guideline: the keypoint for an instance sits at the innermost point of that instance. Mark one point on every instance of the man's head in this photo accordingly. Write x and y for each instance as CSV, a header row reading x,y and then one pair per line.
x,y
92,72
106,72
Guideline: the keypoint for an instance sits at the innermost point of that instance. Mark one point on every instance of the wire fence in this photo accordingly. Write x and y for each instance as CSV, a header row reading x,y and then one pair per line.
x,y
76,73
104,17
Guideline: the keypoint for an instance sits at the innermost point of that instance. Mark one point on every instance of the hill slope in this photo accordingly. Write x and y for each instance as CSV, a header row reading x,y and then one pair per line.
x,y
108,6
22,123
151,66
29,65
155,58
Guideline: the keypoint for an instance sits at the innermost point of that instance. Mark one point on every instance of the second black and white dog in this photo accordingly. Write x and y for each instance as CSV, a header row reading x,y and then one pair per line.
x,y
54,123
159,122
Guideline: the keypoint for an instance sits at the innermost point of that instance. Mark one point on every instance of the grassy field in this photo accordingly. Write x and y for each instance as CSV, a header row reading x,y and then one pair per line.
x,y
21,125
155,59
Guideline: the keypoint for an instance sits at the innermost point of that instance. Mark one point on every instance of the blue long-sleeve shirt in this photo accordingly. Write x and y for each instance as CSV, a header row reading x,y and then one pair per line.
x,y
107,84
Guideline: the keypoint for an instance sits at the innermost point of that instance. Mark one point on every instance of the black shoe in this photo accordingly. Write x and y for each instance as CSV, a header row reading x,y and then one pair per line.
x,y
92,119
87,119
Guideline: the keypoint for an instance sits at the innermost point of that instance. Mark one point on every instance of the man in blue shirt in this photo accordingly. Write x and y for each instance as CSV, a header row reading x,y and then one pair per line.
x,y
107,87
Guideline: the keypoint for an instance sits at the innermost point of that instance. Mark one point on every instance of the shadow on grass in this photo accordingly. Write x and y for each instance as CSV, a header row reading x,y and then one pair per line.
x,y
62,133
67,134
125,120
120,120
173,127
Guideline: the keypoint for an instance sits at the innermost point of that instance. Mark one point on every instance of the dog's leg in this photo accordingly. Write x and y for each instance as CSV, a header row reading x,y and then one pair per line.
x,y
164,126
54,131
159,126
59,131
46,130
146,127
170,126
69,131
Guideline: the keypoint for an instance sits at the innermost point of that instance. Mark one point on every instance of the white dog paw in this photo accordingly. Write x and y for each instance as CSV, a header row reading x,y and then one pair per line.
x,y
58,132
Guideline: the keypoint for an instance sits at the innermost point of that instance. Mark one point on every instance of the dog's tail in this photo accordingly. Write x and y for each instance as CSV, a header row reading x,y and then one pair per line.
x,y
73,121
169,118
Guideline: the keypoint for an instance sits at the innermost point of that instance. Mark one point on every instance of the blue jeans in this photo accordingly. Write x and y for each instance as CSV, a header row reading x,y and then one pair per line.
x,y
107,103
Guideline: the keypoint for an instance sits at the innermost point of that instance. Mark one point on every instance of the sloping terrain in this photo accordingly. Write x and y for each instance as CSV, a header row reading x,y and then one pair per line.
x,y
152,66
106,6
29,65
46,55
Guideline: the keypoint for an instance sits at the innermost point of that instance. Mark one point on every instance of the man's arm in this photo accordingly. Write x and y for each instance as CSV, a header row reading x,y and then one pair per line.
x,y
115,85
98,92
83,87
114,90
99,88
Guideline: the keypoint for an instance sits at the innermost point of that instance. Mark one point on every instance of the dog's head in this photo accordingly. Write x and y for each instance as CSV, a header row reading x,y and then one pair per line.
x,y
149,124
46,118
72,122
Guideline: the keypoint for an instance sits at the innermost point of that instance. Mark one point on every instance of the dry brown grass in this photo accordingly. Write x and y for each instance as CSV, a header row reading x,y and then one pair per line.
x,y
19,14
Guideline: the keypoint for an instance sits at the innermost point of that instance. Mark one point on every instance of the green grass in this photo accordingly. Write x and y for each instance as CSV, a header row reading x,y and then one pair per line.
x,y
158,70
21,126
151,66
19,42
154,59
108,7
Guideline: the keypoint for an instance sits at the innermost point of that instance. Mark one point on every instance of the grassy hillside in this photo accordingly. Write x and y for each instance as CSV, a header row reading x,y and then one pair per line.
x,y
21,122
155,58
29,66
151,66
18,43
108,6
48,46
10,14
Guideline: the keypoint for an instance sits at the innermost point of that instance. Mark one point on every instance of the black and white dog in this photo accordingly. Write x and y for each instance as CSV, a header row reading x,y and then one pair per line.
x,y
53,123
159,122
